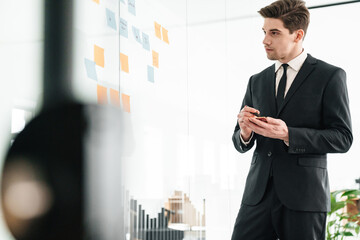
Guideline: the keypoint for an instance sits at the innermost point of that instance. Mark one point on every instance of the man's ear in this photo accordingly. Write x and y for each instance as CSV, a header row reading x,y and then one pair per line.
x,y
299,35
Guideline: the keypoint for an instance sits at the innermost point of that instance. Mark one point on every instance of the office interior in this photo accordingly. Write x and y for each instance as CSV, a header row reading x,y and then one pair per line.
x,y
160,84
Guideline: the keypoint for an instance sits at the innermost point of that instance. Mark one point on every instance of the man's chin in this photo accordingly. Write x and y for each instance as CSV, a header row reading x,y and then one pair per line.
x,y
271,57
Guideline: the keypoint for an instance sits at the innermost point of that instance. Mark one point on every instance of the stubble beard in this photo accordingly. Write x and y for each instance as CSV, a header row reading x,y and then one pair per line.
x,y
271,56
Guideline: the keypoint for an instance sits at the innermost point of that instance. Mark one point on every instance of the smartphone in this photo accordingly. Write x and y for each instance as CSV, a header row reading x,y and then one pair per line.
x,y
257,116
261,119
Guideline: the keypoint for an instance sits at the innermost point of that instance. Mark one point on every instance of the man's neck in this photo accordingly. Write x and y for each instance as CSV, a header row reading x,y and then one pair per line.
x,y
294,54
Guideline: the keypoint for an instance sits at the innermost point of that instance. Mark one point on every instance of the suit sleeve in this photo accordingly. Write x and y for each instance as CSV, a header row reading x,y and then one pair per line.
x,y
239,145
336,134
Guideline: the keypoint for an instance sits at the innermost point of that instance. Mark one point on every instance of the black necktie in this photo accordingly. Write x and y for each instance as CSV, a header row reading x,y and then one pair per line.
x,y
281,88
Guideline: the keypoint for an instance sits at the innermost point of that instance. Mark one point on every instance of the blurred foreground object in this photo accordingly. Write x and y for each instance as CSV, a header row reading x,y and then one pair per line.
x,y
53,181
62,175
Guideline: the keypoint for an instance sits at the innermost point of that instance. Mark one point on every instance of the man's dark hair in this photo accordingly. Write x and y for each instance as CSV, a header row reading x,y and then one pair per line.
x,y
293,13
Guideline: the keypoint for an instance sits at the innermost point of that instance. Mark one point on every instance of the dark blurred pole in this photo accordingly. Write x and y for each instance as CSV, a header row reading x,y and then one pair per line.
x,y
58,52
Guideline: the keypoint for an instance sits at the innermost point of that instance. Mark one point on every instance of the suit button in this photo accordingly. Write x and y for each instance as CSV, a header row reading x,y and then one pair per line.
x,y
269,154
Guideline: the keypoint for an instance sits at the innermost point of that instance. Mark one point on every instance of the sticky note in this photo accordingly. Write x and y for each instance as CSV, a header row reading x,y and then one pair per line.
x,y
97,1
131,7
123,28
136,33
145,41
155,57
90,69
165,35
99,56
157,30
126,102
150,72
102,95
124,62
114,97
110,18
123,1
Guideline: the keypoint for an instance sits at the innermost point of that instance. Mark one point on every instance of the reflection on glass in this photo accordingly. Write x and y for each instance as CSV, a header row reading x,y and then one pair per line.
x,y
177,220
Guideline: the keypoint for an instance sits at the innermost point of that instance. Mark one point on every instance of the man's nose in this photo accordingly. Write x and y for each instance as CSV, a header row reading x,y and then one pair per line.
x,y
266,41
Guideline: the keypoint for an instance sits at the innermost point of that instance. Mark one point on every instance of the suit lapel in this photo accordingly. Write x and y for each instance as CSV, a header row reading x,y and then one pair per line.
x,y
270,89
304,72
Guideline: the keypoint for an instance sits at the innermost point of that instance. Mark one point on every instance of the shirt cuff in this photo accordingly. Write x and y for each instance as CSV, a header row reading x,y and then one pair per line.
x,y
286,143
247,142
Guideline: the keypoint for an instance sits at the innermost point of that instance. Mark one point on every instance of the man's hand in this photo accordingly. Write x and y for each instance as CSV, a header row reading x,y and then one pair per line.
x,y
243,120
273,128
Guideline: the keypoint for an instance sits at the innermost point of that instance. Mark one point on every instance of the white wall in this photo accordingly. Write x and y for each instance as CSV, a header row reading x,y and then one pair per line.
x,y
21,42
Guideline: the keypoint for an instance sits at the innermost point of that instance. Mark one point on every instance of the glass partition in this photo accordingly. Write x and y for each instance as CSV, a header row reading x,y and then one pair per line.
x,y
177,71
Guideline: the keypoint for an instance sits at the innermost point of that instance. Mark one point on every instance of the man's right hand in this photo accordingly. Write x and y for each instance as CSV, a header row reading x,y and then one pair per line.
x,y
243,120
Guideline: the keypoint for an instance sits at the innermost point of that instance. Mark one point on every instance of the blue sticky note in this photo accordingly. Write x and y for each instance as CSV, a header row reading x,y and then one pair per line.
x,y
150,71
110,18
145,41
123,28
131,7
136,33
90,69
123,1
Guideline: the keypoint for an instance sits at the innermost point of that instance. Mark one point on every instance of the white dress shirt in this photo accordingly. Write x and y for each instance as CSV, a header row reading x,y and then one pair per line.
x,y
292,70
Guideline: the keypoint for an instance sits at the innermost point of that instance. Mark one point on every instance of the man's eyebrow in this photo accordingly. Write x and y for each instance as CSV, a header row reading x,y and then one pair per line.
x,y
273,30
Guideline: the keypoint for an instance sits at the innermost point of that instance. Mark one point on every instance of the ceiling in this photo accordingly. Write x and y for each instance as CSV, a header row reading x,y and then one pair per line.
x,y
204,11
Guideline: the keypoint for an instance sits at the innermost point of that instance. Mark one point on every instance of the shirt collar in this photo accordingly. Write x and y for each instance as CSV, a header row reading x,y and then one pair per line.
x,y
295,63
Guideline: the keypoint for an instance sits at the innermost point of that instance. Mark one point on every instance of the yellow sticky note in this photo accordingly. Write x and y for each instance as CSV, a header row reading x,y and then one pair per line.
x,y
124,62
102,95
126,102
165,35
99,56
157,30
114,97
155,56
97,1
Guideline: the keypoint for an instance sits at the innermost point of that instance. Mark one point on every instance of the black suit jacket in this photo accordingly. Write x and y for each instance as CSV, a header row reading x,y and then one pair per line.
x,y
316,111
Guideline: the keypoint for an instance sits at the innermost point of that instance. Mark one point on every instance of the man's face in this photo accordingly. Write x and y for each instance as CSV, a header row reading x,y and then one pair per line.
x,y
278,42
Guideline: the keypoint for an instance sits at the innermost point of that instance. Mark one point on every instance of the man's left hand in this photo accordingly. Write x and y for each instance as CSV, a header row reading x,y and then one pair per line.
x,y
273,128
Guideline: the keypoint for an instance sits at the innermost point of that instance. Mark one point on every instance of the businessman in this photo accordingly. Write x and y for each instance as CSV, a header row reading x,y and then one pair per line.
x,y
305,109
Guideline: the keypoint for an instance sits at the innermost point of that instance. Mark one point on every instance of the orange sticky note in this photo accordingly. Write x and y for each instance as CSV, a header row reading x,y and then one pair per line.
x,y
114,97
126,102
102,94
124,62
99,56
97,1
155,56
157,30
165,35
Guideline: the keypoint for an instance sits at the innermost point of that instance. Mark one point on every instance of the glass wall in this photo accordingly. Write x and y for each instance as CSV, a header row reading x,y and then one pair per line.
x,y
178,71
